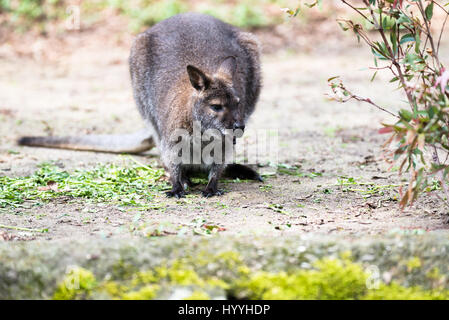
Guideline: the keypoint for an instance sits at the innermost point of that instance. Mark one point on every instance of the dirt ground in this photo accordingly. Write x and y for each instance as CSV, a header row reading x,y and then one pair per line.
x,y
87,89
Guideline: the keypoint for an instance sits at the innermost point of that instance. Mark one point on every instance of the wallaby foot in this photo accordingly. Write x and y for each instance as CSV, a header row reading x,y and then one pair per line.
x,y
209,192
176,193
177,190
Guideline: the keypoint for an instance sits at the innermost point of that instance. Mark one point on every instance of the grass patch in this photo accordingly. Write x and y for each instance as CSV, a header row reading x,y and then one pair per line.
x,y
131,185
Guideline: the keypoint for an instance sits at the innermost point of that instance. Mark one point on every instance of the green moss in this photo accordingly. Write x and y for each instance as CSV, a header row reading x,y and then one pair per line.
x,y
434,274
330,279
113,289
413,263
198,295
77,284
180,274
228,259
147,292
394,291
142,285
327,278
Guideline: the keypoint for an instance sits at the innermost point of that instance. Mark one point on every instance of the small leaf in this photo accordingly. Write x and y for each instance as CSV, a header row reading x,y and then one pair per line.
x,y
394,79
407,38
385,130
406,115
429,11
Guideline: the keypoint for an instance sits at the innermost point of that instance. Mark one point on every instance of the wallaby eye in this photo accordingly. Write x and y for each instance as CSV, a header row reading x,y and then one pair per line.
x,y
217,107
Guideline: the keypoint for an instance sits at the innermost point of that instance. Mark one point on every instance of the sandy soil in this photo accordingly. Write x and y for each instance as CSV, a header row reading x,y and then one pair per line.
x,y
87,89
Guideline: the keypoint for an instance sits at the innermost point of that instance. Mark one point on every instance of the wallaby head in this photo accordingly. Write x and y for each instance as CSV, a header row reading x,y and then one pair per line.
x,y
216,104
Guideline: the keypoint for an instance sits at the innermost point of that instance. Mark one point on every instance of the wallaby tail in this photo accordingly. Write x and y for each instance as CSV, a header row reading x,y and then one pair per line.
x,y
235,170
127,143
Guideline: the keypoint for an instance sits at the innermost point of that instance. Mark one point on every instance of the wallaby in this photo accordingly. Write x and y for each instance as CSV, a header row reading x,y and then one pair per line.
x,y
188,68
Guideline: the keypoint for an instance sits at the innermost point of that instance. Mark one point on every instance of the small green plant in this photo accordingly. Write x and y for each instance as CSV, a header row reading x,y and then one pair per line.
x,y
285,169
266,187
277,208
365,188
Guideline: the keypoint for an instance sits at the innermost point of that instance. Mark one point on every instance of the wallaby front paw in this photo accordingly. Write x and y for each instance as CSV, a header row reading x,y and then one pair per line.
x,y
176,193
210,193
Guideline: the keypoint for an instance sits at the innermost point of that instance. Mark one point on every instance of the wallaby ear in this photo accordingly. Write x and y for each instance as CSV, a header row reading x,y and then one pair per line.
x,y
227,68
197,78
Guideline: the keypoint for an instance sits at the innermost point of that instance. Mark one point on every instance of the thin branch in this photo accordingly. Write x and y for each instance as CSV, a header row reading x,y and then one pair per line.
x,y
357,10
23,229
392,56
429,33
380,68
358,98
441,32
441,7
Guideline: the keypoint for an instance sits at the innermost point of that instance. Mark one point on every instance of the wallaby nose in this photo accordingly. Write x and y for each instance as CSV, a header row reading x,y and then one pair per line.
x,y
240,126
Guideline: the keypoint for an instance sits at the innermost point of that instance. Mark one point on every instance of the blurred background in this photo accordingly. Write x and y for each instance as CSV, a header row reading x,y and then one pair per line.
x,y
27,27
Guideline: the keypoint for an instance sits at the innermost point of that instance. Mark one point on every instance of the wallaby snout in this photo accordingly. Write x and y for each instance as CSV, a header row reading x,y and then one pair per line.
x,y
239,126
